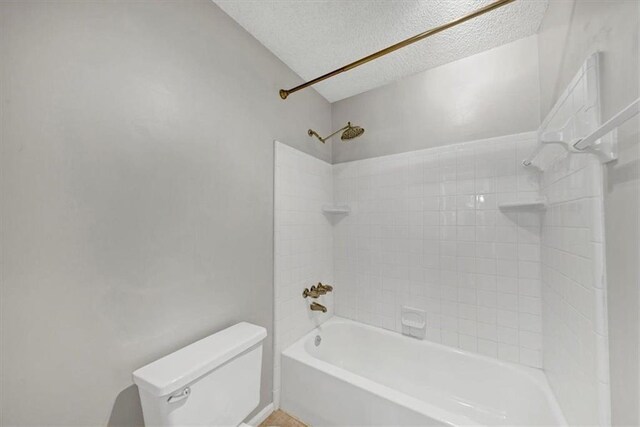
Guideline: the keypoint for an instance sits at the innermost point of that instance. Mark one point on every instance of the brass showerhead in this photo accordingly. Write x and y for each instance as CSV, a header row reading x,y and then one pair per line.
x,y
350,132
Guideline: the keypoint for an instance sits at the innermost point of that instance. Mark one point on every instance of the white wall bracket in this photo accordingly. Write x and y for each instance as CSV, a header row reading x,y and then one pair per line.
x,y
604,140
579,105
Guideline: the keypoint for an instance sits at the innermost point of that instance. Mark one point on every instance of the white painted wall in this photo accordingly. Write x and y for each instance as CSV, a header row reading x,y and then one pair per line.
x,y
425,231
489,94
303,246
570,32
136,163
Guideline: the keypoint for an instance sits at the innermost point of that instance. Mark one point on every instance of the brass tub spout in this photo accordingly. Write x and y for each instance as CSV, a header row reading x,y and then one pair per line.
x,y
318,307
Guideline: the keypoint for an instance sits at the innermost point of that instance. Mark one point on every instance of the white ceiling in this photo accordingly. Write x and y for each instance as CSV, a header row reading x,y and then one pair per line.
x,y
314,37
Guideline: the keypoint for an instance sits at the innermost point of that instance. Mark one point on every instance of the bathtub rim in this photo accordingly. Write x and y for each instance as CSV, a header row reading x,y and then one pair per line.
x,y
298,352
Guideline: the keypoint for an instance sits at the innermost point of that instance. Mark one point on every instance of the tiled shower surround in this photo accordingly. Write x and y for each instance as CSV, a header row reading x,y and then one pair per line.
x,y
303,245
575,336
574,292
425,231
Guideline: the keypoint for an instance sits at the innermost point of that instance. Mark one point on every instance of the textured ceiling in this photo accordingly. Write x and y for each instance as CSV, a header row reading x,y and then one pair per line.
x,y
314,37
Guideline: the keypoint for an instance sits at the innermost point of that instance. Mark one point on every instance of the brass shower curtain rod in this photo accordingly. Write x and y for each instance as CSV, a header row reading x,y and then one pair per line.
x,y
488,8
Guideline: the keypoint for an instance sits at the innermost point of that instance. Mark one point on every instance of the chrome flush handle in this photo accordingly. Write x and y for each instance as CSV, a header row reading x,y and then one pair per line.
x,y
181,395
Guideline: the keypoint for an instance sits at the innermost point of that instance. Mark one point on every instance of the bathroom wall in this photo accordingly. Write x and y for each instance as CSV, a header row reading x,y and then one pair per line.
x,y
425,231
136,173
303,246
570,31
489,94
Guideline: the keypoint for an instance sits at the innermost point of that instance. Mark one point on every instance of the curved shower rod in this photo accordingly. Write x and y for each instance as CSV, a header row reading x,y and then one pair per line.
x,y
284,93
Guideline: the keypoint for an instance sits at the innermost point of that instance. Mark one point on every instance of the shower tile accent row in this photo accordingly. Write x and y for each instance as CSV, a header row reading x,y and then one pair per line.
x,y
302,246
425,231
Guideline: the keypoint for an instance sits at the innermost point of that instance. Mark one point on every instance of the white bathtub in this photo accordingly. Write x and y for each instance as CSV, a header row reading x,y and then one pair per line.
x,y
360,375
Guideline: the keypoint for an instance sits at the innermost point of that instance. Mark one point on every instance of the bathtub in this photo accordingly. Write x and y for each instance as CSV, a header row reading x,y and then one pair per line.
x,y
346,373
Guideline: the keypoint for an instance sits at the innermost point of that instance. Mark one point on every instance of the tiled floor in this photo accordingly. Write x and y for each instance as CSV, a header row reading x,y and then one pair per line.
x,y
281,419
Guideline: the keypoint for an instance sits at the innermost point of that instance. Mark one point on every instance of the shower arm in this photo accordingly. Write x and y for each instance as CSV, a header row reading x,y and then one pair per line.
x,y
312,132
284,93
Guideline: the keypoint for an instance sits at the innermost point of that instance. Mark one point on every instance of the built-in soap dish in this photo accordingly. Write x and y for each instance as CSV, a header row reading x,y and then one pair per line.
x,y
336,209
537,204
414,322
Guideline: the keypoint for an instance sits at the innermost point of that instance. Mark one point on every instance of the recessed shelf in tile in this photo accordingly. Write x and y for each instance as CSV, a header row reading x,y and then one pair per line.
x,y
538,204
337,210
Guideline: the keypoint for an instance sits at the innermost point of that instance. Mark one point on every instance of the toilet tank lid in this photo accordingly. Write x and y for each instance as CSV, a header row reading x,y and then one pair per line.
x,y
180,368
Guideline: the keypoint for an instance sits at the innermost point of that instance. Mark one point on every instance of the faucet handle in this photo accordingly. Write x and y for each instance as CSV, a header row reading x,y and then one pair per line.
x,y
318,289
326,288
313,293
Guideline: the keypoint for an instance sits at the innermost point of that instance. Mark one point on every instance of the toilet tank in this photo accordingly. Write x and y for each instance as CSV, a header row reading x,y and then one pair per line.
x,y
212,382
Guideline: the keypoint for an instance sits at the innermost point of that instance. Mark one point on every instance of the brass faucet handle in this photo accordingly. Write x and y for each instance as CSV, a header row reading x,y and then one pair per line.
x,y
319,290
310,293
326,288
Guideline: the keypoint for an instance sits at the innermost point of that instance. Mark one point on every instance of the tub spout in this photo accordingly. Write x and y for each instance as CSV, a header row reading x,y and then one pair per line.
x,y
318,307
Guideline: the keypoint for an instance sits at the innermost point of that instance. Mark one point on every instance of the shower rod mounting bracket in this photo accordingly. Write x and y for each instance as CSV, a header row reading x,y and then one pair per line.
x,y
603,142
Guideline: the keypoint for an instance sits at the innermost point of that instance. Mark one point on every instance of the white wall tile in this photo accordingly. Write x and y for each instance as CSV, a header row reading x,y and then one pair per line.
x,y
425,231
570,274
571,335
508,352
430,228
303,241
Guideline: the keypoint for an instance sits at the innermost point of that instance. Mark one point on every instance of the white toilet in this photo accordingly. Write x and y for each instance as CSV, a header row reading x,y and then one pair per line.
x,y
212,382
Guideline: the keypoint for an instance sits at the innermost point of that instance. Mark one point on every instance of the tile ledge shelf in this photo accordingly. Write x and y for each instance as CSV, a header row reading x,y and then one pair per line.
x,y
337,210
538,204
